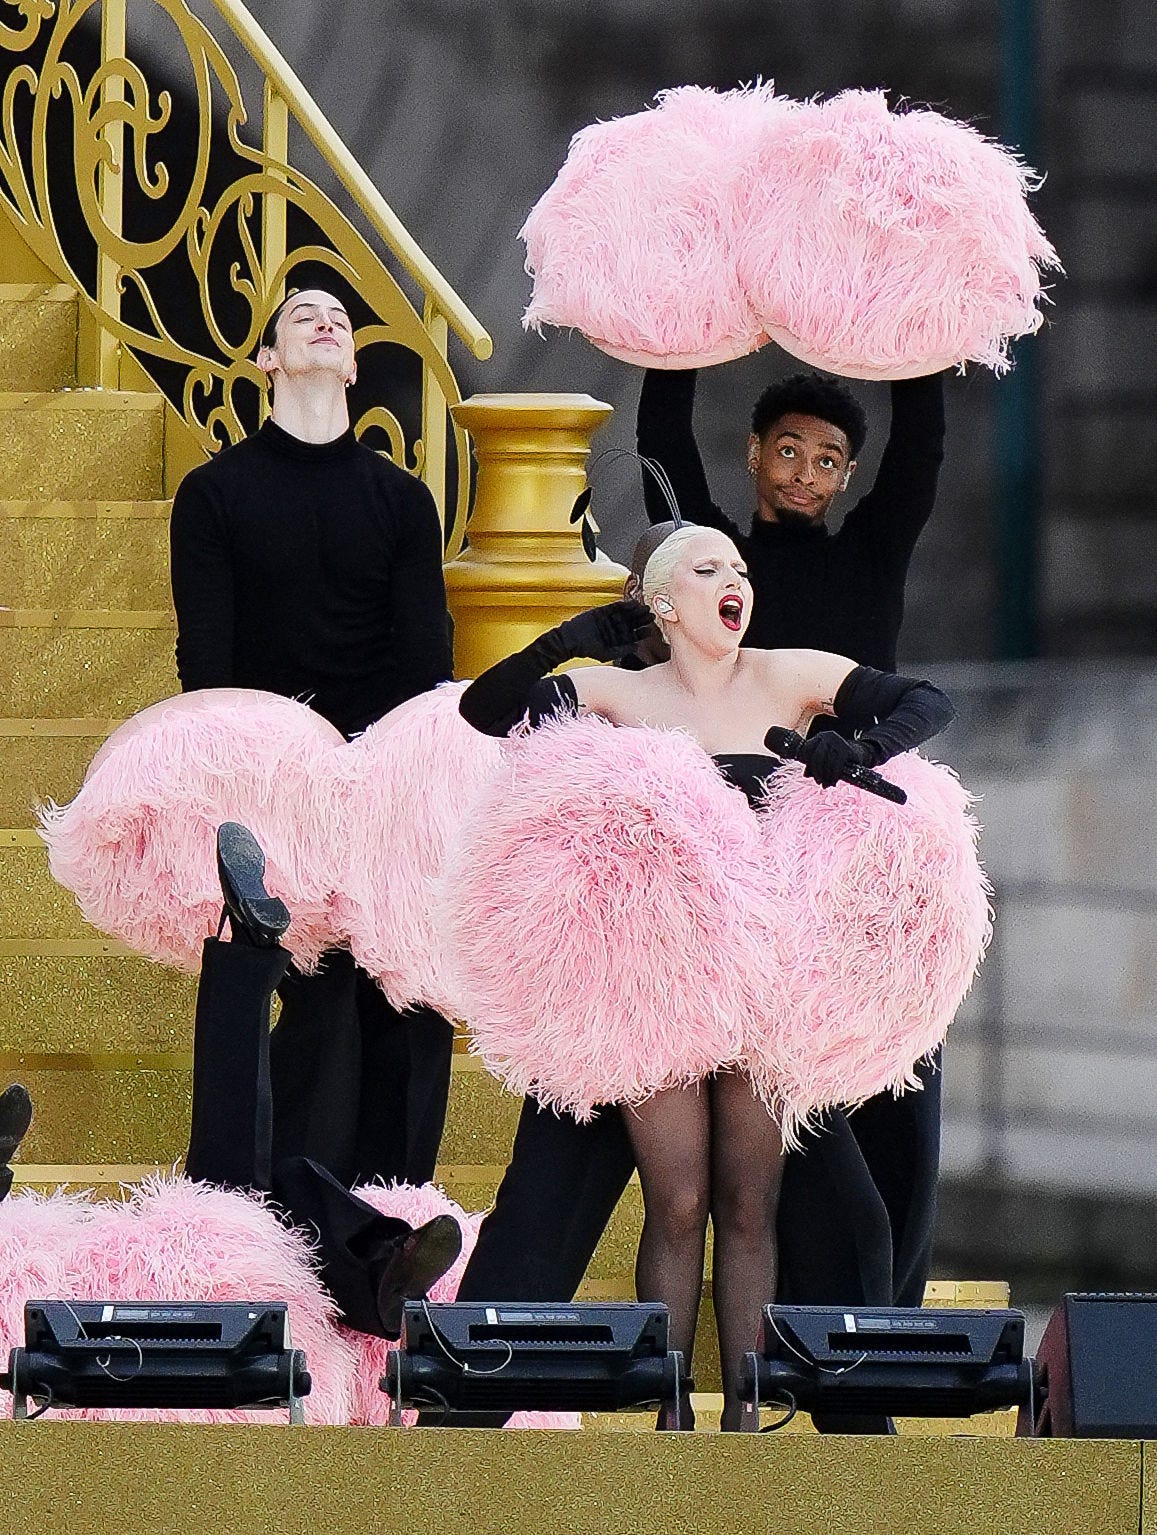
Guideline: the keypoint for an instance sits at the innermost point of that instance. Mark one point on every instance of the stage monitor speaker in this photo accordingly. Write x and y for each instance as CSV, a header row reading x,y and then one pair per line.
x,y
592,1356
1097,1368
180,1354
888,1360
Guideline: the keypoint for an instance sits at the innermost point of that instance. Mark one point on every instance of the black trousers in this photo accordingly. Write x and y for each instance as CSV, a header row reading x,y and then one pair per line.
x,y
855,1219
357,1086
231,1133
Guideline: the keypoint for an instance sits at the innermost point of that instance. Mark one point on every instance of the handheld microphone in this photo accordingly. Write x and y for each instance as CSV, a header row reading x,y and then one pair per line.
x,y
789,743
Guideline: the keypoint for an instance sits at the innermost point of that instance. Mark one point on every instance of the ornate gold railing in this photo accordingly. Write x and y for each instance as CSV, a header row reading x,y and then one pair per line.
x,y
82,133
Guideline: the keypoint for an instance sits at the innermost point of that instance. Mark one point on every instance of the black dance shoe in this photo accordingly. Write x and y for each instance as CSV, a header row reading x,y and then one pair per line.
x,y
254,916
15,1117
417,1261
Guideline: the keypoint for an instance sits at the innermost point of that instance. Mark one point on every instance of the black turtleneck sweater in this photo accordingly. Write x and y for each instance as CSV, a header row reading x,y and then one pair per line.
x,y
844,591
312,570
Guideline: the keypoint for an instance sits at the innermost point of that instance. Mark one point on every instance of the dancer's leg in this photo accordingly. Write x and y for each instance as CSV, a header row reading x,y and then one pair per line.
x,y
229,1136
671,1135
900,1141
747,1158
370,1262
835,1243
405,1087
431,1041
315,1057
15,1118
563,1182
833,1236
379,1146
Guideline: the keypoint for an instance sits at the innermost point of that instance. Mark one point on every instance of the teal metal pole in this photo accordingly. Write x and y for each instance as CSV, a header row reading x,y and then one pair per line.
x,y
1018,408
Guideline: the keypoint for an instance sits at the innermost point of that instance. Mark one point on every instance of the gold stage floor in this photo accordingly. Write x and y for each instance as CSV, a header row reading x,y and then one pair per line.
x,y
136,1479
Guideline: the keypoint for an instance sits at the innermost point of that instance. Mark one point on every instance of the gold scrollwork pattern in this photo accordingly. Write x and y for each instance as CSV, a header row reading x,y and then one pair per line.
x,y
204,198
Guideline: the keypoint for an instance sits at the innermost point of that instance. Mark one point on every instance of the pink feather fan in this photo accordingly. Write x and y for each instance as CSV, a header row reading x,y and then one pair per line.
x,y
604,909
403,787
634,243
137,844
884,920
885,244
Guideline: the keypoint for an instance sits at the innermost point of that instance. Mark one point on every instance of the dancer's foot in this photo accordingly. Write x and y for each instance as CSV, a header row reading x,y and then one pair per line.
x,y
414,1264
15,1117
255,917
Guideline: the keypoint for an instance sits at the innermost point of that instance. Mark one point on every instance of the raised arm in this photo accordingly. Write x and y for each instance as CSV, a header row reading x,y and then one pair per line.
x,y
511,688
201,571
893,513
665,432
889,714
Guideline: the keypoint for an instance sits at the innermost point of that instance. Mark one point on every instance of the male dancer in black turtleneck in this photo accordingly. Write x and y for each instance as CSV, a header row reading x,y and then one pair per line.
x,y
306,564
856,1209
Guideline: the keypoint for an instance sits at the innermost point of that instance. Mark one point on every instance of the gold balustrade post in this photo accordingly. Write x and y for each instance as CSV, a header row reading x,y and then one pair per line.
x,y
434,410
275,146
525,569
98,350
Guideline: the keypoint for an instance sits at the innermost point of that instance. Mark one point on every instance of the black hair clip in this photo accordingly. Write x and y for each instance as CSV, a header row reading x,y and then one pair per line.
x,y
581,510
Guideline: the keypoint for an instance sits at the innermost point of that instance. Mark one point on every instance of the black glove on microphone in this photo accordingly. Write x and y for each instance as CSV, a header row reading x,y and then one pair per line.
x,y
496,702
827,756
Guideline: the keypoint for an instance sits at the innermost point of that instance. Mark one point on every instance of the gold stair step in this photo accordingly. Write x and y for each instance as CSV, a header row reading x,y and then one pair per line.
x,y
32,904
81,443
102,1109
74,669
108,1103
43,759
84,554
63,1002
37,336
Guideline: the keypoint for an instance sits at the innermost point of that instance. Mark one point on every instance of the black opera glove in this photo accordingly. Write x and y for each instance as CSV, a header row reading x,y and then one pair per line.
x,y
890,714
602,634
827,756
499,699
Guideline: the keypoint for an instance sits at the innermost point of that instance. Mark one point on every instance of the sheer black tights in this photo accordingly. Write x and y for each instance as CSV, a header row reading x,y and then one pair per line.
x,y
710,1149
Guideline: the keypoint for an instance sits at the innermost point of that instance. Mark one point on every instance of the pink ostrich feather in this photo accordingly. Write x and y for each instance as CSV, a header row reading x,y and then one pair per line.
x,y
604,910
178,1240
885,244
634,242
885,918
173,1240
137,844
404,787
417,1206
38,1233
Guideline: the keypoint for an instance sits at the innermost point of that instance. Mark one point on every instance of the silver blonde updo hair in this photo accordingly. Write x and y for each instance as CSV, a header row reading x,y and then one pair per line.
x,y
660,567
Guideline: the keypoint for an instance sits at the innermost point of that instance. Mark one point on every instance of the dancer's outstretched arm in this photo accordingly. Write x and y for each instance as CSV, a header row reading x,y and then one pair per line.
x,y
892,515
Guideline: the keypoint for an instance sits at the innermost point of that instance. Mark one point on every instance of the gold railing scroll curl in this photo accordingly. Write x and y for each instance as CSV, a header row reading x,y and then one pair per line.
x,y
181,228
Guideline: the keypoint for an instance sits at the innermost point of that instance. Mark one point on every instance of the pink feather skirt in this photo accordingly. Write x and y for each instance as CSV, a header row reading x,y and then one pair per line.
x,y
621,922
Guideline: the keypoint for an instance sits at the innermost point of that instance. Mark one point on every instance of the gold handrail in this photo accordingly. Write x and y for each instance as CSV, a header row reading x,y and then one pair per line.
x,y
288,86
230,245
